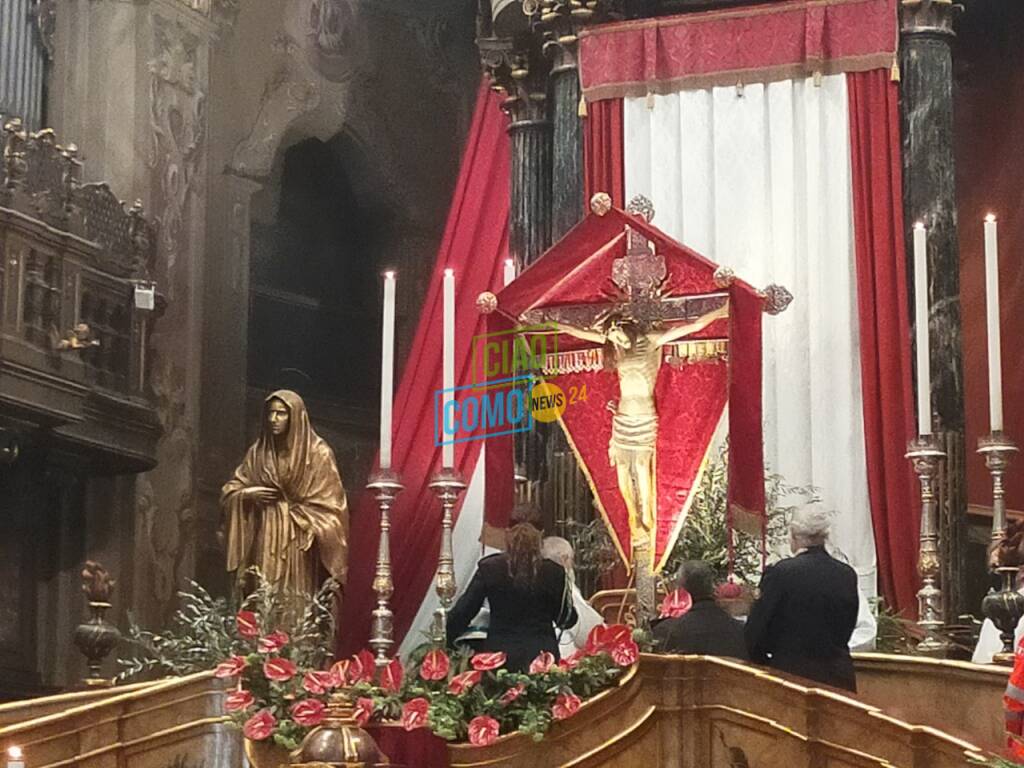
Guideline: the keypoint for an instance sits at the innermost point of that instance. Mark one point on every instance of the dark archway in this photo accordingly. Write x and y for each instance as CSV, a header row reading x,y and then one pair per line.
x,y
313,309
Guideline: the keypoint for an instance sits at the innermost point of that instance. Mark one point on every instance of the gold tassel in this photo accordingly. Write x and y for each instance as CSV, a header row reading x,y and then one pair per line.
x,y
581,111
650,99
894,72
817,78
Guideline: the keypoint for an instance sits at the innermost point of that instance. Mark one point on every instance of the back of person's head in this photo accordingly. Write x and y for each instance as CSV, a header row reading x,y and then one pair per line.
x,y
526,512
697,578
809,527
558,550
523,542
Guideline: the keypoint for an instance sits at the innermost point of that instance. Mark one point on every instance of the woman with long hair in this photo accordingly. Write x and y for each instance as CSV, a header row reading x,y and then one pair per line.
x,y
528,596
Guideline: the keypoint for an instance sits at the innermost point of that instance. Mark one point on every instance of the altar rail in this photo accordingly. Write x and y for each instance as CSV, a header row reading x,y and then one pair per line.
x,y
71,256
176,722
700,712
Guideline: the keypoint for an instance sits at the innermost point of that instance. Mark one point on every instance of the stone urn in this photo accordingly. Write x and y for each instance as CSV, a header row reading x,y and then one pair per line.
x,y
339,742
1005,609
96,637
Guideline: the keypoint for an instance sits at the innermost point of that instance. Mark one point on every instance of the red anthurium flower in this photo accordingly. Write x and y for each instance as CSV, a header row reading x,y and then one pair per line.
x,y
363,667
484,662
364,710
625,654
231,668
542,663
308,712
414,713
566,705
435,665
730,590
571,662
483,730
259,726
391,676
512,694
675,604
279,670
247,623
459,684
239,700
602,638
340,671
272,643
319,682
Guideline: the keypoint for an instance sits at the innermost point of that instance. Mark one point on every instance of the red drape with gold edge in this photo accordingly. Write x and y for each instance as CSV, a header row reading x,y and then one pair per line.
x,y
603,167
475,247
884,330
691,398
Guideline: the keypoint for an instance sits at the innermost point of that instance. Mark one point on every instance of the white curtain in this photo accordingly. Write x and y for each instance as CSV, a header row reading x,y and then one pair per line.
x,y
758,179
466,545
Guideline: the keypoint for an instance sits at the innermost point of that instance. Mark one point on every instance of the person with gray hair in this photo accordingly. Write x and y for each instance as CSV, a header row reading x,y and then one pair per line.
x,y
706,628
807,610
570,640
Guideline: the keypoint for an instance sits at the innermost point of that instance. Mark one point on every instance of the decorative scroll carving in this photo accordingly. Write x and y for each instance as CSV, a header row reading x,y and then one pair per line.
x,y
776,299
178,122
928,16
517,68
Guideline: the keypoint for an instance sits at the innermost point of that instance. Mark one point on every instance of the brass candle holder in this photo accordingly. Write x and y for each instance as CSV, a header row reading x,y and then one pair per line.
x,y
385,487
1004,606
926,456
448,486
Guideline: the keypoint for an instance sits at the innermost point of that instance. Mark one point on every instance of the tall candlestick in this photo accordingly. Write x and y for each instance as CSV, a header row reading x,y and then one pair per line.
x,y
924,374
510,271
995,363
387,370
448,368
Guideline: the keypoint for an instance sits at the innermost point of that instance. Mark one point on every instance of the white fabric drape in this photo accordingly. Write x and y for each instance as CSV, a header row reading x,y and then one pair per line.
x,y
466,545
759,180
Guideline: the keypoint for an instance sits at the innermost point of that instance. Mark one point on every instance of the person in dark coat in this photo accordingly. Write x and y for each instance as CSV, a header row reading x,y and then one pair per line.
x,y
705,629
528,596
803,620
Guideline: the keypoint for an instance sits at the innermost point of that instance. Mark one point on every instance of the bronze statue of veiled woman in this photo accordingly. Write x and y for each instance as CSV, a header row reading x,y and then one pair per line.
x,y
286,508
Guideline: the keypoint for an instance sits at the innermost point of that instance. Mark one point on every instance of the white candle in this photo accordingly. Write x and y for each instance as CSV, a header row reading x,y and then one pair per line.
x,y
15,758
510,271
995,362
448,366
924,374
387,370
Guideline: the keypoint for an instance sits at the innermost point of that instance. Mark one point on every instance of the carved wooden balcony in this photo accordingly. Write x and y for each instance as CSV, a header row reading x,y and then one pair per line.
x,y
73,343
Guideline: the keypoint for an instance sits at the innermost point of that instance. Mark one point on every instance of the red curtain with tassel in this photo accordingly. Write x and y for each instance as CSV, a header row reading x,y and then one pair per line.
x,y
884,331
475,245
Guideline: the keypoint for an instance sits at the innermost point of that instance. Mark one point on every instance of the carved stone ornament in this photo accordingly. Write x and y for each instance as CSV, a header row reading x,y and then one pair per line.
x,y
178,123
601,203
928,16
96,582
776,299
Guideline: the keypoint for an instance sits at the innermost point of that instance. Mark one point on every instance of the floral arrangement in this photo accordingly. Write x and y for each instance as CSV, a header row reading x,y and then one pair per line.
x,y
460,697
263,646
475,698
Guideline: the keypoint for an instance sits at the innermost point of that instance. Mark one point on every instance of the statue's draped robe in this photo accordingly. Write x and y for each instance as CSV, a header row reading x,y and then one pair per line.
x,y
287,539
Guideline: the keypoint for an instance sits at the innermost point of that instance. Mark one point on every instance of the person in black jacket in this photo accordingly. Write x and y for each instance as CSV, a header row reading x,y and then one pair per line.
x,y
706,628
528,596
803,620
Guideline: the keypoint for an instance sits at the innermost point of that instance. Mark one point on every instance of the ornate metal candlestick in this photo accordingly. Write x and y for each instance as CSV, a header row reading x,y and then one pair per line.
x,y
447,485
386,488
926,456
1006,606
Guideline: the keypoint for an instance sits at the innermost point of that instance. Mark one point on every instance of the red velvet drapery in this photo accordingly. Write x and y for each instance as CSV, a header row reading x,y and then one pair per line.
x,y
884,330
603,169
475,245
